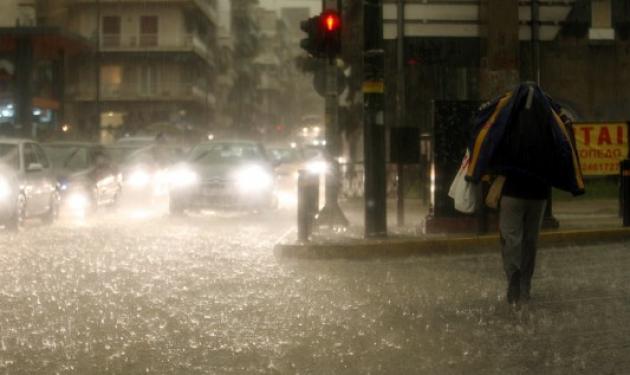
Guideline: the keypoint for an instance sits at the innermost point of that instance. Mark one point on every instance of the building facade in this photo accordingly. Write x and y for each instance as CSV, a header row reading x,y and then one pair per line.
x,y
152,65
33,70
474,50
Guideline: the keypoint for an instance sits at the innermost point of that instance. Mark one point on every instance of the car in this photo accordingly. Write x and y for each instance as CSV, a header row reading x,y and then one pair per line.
x,y
28,188
143,168
86,176
223,174
288,160
155,134
140,141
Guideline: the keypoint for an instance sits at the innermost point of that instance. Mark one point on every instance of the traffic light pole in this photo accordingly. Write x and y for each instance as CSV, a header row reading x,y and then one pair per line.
x,y
373,120
331,214
401,108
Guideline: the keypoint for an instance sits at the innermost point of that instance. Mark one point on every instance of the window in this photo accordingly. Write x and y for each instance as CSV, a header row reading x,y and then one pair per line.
x,y
71,158
221,152
41,156
148,31
9,155
111,79
148,80
29,155
111,31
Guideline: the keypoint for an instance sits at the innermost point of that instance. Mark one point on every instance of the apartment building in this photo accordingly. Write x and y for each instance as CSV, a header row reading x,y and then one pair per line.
x,y
33,60
152,65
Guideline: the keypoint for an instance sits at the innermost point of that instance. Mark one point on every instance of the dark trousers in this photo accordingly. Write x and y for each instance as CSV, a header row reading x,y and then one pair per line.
x,y
519,225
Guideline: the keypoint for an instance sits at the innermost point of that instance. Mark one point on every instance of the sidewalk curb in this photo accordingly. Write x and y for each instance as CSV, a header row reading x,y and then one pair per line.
x,y
397,247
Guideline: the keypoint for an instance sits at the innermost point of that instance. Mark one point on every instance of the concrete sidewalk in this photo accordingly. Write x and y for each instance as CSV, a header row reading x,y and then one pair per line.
x,y
582,221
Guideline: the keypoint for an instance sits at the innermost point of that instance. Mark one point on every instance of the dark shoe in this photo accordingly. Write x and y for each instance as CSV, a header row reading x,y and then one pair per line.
x,y
514,288
524,295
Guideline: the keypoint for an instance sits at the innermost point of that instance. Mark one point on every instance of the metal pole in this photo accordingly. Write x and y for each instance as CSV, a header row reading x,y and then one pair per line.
x,y
401,109
303,226
332,126
535,40
308,203
621,194
625,191
373,120
331,214
549,220
97,68
400,195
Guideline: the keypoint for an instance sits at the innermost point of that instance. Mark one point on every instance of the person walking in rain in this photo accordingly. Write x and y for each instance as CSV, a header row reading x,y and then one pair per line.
x,y
522,138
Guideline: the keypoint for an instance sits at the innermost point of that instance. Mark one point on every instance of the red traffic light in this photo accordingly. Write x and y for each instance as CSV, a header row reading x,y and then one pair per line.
x,y
323,35
331,21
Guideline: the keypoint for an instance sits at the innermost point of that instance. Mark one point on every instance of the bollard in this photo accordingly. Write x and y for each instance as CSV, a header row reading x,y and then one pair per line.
x,y
625,191
312,196
302,207
308,203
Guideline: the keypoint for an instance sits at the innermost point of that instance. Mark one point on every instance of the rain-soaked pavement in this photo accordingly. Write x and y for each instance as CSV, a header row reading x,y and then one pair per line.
x,y
134,293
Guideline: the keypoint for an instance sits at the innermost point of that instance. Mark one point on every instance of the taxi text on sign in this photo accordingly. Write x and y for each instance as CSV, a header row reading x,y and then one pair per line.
x,y
601,147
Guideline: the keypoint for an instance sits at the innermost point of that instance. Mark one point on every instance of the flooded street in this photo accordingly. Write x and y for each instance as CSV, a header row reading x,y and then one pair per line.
x,y
144,293
155,156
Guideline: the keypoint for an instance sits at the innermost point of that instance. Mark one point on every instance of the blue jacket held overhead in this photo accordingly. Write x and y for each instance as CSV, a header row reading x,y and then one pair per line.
x,y
521,134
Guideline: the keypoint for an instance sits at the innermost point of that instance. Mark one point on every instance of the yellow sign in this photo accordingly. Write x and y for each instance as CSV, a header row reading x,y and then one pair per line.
x,y
373,87
601,147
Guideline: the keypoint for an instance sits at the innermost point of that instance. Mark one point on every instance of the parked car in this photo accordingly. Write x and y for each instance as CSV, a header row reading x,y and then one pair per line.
x,y
28,188
86,176
223,174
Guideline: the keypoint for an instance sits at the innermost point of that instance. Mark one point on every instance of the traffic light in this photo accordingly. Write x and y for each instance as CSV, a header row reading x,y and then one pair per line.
x,y
323,35
330,24
313,40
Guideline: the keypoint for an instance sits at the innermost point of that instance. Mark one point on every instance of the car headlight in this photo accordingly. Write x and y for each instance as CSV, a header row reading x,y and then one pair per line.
x,y
182,177
139,178
63,184
5,188
252,178
78,201
318,167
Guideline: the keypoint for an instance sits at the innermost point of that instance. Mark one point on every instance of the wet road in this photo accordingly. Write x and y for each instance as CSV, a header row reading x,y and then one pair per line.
x,y
137,293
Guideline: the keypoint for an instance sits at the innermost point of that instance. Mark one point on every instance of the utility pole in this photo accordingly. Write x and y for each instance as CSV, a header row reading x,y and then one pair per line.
x,y
97,71
401,109
331,214
535,40
374,120
549,220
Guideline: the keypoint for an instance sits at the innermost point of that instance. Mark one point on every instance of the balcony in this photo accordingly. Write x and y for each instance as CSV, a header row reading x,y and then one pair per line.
x,y
155,43
206,7
160,91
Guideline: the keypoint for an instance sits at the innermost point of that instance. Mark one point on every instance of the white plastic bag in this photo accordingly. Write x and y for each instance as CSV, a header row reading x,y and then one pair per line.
x,y
464,193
